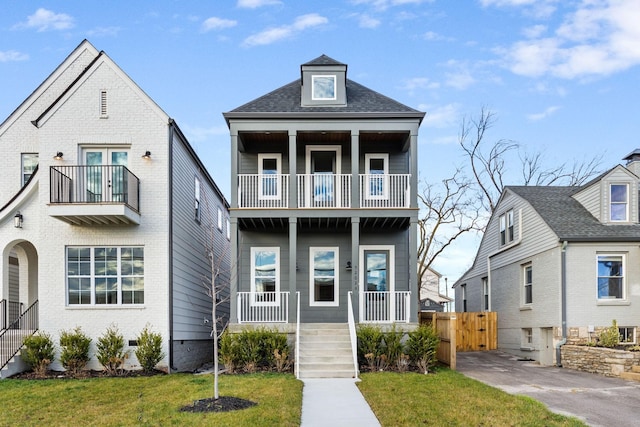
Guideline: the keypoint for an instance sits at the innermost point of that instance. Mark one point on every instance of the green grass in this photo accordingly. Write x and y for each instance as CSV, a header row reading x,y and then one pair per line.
x,y
448,398
146,401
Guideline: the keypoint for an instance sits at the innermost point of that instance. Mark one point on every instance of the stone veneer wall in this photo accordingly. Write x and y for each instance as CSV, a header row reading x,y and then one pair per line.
x,y
606,361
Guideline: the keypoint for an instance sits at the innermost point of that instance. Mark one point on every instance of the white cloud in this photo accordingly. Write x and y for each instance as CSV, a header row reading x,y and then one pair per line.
x,y
597,39
44,20
104,32
443,116
254,4
272,35
215,23
12,56
534,31
367,21
546,113
385,4
412,84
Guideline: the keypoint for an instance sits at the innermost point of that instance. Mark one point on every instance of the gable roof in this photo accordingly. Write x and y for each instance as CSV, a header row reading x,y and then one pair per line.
x,y
323,60
568,219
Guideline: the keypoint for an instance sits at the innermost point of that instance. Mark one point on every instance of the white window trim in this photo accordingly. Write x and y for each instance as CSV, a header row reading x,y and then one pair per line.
x,y
254,300
634,334
486,295
219,219
627,203
527,339
613,301
384,177
196,196
335,148
313,86
523,288
278,159
336,278
391,275
506,224
22,174
228,225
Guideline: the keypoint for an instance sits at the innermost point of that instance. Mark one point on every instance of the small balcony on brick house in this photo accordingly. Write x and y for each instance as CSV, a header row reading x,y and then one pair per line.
x,y
94,195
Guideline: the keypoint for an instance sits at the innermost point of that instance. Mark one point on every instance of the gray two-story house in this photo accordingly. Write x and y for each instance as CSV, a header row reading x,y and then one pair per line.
x,y
324,206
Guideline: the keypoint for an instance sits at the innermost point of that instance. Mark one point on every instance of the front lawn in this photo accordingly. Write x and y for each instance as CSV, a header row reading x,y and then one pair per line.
x,y
448,398
142,401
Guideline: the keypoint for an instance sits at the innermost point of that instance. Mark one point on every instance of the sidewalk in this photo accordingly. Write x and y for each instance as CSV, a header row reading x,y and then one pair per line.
x,y
335,402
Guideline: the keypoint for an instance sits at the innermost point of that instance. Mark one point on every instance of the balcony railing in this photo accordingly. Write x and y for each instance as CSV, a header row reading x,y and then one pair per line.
x,y
384,306
95,185
384,191
263,307
263,191
324,191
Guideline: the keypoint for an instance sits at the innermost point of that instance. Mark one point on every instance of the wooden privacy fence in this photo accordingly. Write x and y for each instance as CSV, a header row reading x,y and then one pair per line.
x,y
463,332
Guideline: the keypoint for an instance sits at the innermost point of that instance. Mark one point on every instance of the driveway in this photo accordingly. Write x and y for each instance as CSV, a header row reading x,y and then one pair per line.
x,y
595,399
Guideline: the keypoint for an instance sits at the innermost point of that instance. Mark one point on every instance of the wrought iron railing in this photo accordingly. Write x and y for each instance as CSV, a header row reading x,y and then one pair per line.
x,y
12,338
3,314
95,184
263,307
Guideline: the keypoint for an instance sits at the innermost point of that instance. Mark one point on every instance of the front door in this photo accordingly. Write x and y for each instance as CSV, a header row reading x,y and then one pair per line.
x,y
323,167
105,181
546,346
377,283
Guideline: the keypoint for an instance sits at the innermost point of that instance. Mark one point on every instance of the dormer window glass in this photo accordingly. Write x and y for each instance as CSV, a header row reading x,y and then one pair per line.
x,y
619,206
323,87
506,228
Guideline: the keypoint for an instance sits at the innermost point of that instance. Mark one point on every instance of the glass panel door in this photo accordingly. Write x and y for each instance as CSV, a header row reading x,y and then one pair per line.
x,y
377,265
324,276
101,186
323,168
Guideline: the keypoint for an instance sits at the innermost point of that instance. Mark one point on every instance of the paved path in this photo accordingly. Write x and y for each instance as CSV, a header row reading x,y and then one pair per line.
x,y
595,399
335,403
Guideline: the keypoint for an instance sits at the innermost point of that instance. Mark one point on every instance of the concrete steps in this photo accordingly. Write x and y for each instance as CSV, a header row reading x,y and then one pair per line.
x,y
633,375
325,351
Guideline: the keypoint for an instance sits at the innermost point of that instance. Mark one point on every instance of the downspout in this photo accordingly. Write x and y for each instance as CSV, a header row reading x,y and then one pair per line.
x,y
563,302
170,260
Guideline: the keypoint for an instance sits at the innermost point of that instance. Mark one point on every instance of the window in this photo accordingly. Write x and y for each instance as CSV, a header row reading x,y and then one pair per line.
x,y
228,224
464,297
619,202
265,275
377,170
103,103
105,275
506,228
527,337
627,335
29,164
610,277
527,291
219,219
485,293
323,87
323,276
197,199
269,176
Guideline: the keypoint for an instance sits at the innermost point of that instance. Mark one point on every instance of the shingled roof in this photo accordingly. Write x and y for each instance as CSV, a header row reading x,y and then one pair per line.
x,y
568,219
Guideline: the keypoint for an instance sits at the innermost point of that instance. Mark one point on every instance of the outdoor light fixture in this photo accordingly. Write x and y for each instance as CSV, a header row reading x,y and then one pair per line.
x,y
58,156
348,265
146,155
17,220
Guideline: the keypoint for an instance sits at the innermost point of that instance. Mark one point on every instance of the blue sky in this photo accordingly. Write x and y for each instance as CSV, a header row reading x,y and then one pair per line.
x,y
562,76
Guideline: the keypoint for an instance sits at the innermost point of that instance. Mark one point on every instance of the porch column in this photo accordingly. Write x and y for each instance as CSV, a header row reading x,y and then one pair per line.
x,y
355,262
413,168
414,287
293,168
234,168
293,285
235,271
355,169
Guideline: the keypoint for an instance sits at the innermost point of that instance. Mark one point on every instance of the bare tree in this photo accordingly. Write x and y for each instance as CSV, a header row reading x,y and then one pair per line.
x,y
488,161
449,210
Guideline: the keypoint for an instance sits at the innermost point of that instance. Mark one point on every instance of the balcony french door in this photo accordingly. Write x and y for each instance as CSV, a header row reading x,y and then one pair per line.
x,y
323,166
110,186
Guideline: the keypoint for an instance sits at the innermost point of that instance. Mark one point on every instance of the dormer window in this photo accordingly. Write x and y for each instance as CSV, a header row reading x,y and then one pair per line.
x,y
506,228
619,206
323,88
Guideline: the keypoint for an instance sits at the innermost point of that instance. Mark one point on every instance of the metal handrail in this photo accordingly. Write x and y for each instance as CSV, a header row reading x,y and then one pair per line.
x,y
12,338
297,349
3,314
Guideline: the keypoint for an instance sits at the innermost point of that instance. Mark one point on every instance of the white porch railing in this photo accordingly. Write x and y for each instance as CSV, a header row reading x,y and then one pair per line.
x,y
324,191
263,191
384,306
384,191
259,307
352,335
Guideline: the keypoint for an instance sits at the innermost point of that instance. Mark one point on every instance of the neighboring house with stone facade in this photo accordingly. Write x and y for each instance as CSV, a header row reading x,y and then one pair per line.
x,y
105,214
324,212
560,263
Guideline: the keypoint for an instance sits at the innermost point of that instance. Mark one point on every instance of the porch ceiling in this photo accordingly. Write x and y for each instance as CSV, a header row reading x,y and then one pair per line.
x,y
323,223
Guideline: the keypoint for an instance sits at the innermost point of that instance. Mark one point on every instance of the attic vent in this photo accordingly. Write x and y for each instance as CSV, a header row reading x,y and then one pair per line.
x,y
103,103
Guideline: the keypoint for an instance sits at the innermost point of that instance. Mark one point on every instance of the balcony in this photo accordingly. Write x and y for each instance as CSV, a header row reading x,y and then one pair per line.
x,y
94,195
324,191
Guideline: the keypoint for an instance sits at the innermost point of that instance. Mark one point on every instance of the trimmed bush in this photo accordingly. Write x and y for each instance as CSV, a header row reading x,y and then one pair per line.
x,y
370,346
39,352
110,351
74,353
393,347
255,349
149,351
421,347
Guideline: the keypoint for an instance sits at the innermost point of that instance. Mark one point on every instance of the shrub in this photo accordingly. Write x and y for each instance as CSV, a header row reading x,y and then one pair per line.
x,y
255,349
370,346
39,353
149,351
393,346
110,351
421,347
609,337
74,353
229,353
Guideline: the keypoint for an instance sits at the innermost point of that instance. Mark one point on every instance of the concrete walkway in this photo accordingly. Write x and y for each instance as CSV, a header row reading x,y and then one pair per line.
x,y
335,402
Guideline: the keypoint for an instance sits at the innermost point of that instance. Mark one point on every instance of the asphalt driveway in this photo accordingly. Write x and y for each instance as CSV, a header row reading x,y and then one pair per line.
x,y
595,399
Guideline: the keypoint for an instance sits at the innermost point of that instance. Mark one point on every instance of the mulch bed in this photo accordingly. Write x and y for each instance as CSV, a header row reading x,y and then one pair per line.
x,y
221,404
64,375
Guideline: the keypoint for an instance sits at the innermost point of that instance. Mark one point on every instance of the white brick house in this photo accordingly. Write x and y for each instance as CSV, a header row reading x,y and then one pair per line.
x,y
115,209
